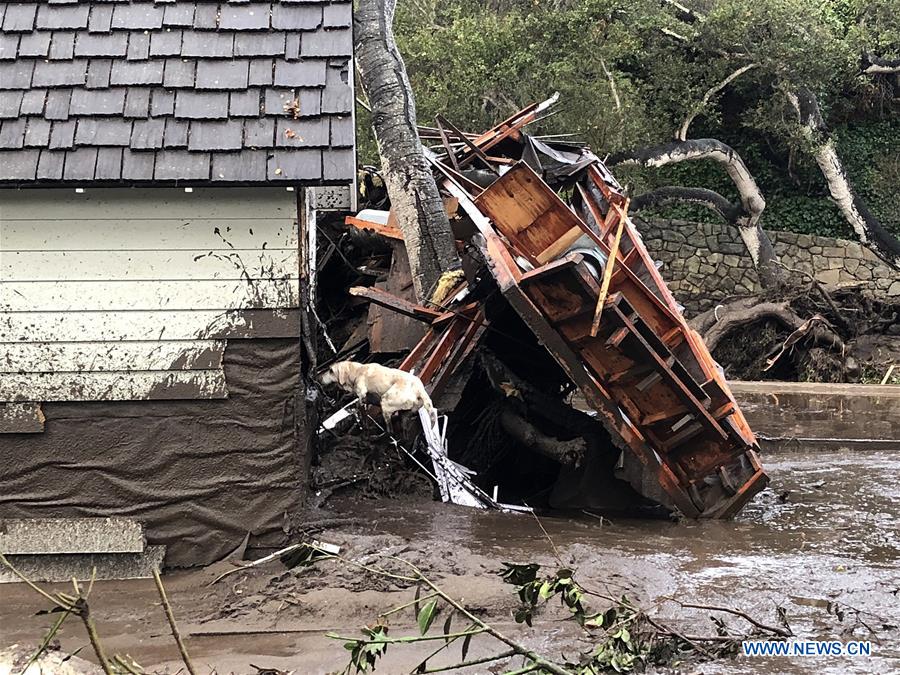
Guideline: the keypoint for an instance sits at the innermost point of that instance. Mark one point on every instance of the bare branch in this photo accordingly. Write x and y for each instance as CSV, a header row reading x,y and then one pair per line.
x,y
684,13
170,617
672,194
758,244
876,65
681,134
612,86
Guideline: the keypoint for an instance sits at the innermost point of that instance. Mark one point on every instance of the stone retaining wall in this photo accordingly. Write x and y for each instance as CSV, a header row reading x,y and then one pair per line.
x,y
706,263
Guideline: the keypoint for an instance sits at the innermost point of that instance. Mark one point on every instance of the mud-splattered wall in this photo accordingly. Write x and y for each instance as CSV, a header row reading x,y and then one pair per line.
x,y
706,263
150,361
126,294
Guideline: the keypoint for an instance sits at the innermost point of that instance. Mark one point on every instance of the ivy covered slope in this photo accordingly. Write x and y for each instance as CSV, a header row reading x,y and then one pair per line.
x,y
631,72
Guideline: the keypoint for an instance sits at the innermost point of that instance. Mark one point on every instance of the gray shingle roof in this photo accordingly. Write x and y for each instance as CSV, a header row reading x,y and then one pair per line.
x,y
236,91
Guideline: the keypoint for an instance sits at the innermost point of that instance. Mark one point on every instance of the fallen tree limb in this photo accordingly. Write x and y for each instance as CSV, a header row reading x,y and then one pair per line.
x,y
733,318
746,617
565,452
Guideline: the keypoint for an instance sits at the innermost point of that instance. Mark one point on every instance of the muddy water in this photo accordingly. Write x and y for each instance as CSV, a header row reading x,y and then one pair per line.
x,y
827,530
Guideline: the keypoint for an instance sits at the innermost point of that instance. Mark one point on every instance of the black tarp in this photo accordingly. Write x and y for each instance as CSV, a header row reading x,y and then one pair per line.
x,y
198,474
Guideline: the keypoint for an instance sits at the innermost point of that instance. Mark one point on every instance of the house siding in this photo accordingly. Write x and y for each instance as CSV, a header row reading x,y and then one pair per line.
x,y
150,362
131,294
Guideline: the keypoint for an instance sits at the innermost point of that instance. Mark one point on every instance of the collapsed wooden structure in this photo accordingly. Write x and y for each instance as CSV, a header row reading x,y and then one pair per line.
x,y
548,224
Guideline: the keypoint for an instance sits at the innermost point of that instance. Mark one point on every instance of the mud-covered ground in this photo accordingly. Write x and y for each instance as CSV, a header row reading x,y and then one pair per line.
x,y
828,530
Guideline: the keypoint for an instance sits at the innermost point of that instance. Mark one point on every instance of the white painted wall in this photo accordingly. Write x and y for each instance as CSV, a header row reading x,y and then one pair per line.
x,y
127,294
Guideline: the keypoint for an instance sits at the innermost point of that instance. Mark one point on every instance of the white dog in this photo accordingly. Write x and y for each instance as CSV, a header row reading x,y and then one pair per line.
x,y
396,389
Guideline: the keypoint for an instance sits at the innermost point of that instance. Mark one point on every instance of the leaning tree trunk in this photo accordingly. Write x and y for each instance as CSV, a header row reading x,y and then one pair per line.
x,y
746,215
870,232
415,200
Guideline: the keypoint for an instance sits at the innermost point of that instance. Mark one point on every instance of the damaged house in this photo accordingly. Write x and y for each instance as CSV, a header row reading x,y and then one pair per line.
x,y
161,164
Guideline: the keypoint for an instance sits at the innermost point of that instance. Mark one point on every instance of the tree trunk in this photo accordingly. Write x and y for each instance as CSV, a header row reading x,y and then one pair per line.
x,y
870,232
746,216
415,200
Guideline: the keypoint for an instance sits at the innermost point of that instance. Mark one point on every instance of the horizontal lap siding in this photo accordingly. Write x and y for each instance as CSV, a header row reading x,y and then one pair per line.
x,y
131,294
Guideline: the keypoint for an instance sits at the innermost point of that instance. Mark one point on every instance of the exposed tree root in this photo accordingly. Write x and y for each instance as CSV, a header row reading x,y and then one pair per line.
x,y
812,334
733,318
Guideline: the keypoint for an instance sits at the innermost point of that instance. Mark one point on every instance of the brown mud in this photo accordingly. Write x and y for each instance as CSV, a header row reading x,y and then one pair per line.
x,y
827,530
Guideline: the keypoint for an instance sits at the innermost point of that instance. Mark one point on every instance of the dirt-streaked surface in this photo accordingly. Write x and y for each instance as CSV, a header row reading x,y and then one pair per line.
x,y
827,530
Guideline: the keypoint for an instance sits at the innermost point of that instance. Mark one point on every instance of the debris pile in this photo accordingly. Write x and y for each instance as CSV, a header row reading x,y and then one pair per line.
x,y
560,342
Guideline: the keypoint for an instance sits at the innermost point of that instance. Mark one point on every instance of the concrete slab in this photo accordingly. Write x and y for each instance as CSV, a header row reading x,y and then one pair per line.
x,y
825,415
62,567
38,536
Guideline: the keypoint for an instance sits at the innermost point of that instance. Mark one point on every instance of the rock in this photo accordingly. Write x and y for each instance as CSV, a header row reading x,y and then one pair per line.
x,y
787,237
829,277
894,290
834,252
851,265
672,235
735,249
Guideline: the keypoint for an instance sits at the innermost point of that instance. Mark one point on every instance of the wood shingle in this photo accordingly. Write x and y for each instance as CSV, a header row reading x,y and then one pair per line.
x,y
141,91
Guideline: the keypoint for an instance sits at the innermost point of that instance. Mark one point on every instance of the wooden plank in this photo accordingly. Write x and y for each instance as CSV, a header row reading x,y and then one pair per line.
x,y
551,268
73,296
148,265
607,272
113,386
111,203
141,325
50,357
389,231
526,209
144,233
21,418
681,389
560,246
394,303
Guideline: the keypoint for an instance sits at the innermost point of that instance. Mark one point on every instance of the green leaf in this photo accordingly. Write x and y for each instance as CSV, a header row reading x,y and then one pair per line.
x,y
625,635
447,624
426,616
546,590
594,621
416,598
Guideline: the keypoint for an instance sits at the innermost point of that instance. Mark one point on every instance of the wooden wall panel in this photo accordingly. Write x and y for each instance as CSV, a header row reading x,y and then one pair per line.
x,y
121,294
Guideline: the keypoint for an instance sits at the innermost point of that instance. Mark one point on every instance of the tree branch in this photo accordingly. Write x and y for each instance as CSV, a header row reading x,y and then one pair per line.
x,y
684,13
676,194
869,230
752,202
681,134
876,65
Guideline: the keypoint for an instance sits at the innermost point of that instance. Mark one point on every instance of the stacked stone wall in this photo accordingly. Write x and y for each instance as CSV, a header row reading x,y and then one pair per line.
x,y
706,263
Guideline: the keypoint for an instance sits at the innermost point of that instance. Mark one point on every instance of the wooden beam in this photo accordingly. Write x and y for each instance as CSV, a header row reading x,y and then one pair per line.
x,y
384,230
607,273
392,302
